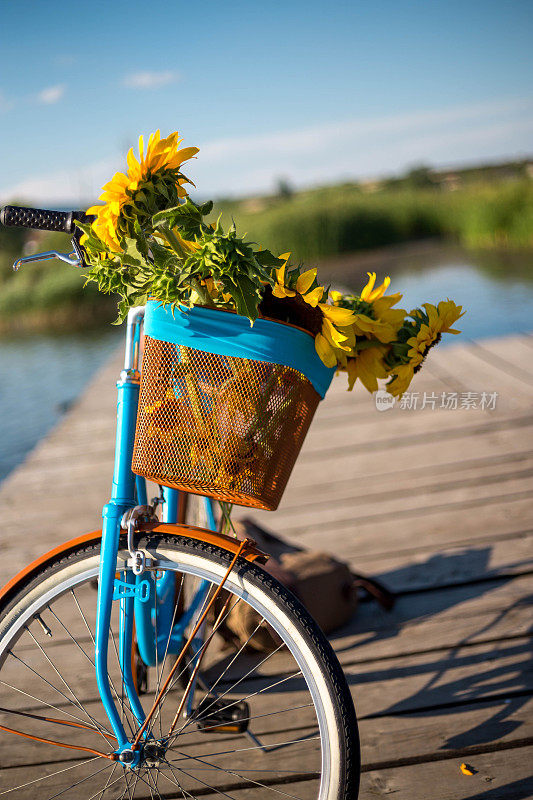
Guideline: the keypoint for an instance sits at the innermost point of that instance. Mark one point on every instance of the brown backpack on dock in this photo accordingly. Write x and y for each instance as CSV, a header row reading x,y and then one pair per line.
x,y
326,586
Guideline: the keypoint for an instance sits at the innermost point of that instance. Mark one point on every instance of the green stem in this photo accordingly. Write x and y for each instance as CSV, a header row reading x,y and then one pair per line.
x,y
200,290
173,242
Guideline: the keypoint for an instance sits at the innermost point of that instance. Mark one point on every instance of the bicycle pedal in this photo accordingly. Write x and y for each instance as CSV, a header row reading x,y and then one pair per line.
x,y
220,716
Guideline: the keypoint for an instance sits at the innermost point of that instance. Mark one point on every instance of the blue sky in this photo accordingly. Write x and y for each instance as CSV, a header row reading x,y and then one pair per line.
x,y
311,91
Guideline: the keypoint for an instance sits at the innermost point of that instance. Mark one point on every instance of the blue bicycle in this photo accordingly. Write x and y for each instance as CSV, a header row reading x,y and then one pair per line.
x,y
157,659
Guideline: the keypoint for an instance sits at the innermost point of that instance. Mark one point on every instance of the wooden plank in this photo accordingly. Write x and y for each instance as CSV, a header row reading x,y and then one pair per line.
x,y
445,618
451,523
436,567
511,355
418,736
361,502
352,516
464,363
504,438
442,681
500,775
431,477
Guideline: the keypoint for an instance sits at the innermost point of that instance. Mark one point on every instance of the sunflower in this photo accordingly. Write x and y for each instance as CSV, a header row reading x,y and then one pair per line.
x,y
374,316
435,321
415,339
368,365
303,284
152,183
335,336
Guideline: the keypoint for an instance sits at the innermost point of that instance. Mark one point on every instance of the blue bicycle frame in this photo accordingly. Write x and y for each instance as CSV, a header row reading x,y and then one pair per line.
x,y
146,600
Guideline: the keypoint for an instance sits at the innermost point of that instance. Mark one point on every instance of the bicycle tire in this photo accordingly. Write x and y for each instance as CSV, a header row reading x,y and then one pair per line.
x,y
27,651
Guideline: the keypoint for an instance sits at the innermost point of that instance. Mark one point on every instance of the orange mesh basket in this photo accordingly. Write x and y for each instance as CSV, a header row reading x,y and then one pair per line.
x,y
222,426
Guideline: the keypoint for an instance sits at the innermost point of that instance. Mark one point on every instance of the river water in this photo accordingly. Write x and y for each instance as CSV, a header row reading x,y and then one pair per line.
x,y
41,375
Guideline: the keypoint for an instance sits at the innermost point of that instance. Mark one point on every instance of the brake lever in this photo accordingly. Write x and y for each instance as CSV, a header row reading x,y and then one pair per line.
x,y
69,258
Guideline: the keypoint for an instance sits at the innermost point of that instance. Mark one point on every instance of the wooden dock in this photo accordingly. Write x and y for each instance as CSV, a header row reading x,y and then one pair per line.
x,y
435,502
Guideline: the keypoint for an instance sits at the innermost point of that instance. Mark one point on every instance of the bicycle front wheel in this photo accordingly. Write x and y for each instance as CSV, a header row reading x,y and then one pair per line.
x,y
270,714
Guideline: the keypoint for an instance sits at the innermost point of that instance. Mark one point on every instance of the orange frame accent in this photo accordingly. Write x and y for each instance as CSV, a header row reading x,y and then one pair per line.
x,y
227,543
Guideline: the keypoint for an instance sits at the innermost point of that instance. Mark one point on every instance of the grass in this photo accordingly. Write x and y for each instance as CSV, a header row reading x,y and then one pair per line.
x,y
326,222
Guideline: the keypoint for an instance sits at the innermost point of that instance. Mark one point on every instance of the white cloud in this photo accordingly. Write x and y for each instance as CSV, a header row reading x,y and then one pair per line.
x,y
63,187
150,80
51,95
364,147
321,153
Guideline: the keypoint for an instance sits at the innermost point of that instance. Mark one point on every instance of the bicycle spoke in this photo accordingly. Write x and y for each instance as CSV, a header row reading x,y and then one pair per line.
x,y
255,716
182,672
78,702
176,606
247,697
212,687
217,768
156,648
50,775
108,783
208,786
245,749
63,695
91,660
198,655
78,783
176,782
84,618
44,702
130,794
151,780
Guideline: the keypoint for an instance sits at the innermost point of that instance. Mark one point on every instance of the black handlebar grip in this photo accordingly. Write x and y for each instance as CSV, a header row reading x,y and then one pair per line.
x,y
40,219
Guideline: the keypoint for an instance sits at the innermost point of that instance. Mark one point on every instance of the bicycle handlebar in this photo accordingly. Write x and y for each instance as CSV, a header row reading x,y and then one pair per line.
x,y
40,219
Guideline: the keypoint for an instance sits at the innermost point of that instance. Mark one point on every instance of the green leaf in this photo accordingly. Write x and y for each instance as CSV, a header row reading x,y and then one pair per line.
x,y
166,217
246,297
266,258
206,208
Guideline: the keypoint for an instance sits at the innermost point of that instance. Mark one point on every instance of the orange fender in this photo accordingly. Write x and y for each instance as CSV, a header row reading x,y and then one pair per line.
x,y
227,543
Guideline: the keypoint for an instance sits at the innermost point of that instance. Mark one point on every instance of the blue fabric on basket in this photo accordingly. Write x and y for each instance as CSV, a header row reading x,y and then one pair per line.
x,y
266,341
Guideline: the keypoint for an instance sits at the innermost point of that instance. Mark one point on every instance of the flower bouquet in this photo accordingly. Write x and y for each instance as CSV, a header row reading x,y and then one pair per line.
x,y
227,398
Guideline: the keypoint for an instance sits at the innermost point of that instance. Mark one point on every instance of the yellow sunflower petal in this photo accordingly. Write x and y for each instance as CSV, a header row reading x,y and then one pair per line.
x,y
133,164
325,351
281,291
313,298
379,291
369,286
351,369
185,153
305,280
403,375
334,336
337,315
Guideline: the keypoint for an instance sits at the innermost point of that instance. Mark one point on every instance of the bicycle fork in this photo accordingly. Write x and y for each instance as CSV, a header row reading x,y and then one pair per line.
x,y
141,595
122,498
